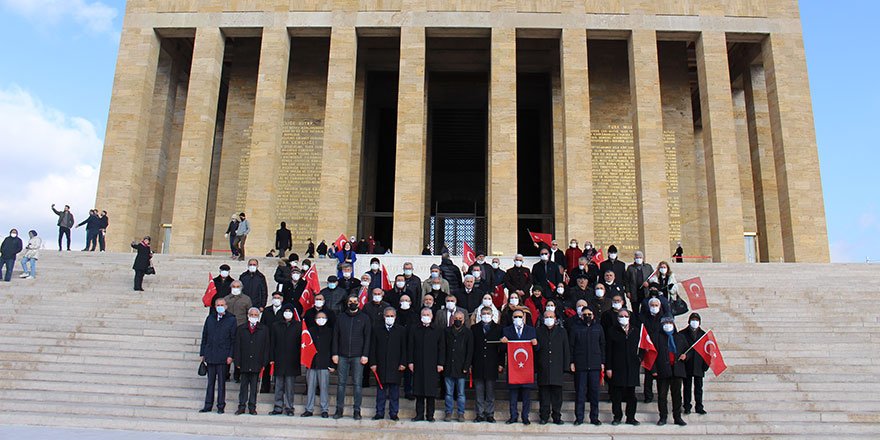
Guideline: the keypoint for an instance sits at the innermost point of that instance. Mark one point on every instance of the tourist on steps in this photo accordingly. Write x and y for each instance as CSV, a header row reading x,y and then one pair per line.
x,y
141,262
65,222
230,234
669,370
251,353
31,254
216,350
241,233
8,251
695,367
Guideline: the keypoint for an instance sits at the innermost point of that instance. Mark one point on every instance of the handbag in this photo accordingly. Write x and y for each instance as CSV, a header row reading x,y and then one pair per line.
x,y
150,270
203,369
678,306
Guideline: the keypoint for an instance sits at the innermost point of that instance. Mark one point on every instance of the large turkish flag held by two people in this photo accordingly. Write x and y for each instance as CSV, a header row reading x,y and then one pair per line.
x,y
520,363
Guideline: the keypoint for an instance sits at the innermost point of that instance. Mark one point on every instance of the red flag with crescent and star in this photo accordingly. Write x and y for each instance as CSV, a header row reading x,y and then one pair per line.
x,y
362,298
386,284
598,257
707,348
307,347
520,365
645,343
209,292
498,296
313,286
696,293
468,257
539,237
340,242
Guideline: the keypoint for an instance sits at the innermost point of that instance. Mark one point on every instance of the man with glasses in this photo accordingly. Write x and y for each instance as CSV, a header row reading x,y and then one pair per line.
x,y
587,340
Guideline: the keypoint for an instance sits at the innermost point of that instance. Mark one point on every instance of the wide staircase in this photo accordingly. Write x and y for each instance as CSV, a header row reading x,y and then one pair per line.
x,y
78,348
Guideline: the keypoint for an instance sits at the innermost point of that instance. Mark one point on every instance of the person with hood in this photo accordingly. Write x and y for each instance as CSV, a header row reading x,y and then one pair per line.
x,y
622,366
451,273
587,340
141,261
345,256
230,234
31,254
216,351
318,373
253,284
695,366
286,340
251,354
553,354
388,362
613,264
283,241
426,356
65,222
486,302
351,351
669,370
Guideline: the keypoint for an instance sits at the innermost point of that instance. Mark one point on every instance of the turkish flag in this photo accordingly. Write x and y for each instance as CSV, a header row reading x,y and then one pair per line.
x,y
598,257
498,296
313,286
307,347
707,348
538,237
696,293
520,365
386,284
362,298
340,242
468,257
209,292
645,343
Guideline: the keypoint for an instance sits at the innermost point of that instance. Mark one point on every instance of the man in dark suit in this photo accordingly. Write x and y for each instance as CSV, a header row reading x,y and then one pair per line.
x,y
553,359
487,364
519,331
388,361
613,264
545,272
271,315
587,338
218,341
251,354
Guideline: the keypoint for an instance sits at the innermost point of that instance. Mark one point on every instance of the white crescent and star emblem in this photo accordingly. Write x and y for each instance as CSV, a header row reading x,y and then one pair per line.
x,y
304,344
695,289
709,348
521,364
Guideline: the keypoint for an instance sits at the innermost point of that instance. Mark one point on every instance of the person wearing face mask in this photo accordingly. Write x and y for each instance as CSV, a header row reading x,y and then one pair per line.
x,y
451,273
518,278
487,362
223,281
251,353
613,264
471,296
663,283
283,241
271,315
586,269
412,283
651,317
556,255
514,303
398,288
486,278
237,305
295,289
608,318
334,295
572,255
407,317
286,340
320,306
612,286
31,255
434,277
375,308
546,272
346,255
485,302
216,351
589,250
241,234
426,355
587,340
519,330
635,280
622,366
375,272
599,302
318,374
573,317
351,351
553,359
580,290
253,284
536,304
459,353
444,318
388,362
695,366
283,281
669,370
140,266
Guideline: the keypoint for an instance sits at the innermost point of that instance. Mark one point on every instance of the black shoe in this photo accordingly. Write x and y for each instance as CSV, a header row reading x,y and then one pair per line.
x,y
338,415
378,417
417,419
661,422
680,422
237,380
306,414
701,411
275,412
578,422
252,412
395,418
596,422
289,412
430,419
686,411
357,415
558,422
239,411
510,421
526,422
205,409
324,415
490,419
541,422
478,419
220,411
410,397
633,422
615,422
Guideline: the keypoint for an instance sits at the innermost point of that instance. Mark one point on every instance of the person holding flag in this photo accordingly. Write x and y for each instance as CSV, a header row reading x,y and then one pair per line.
x,y
622,362
546,273
695,367
377,275
286,340
223,282
345,255
635,280
387,362
318,372
669,370
521,339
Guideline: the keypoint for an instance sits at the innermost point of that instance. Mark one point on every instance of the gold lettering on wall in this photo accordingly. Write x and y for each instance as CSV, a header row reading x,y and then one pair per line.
x,y
673,197
299,176
615,200
244,168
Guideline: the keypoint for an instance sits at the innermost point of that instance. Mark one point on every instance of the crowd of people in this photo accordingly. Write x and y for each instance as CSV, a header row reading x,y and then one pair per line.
x,y
424,339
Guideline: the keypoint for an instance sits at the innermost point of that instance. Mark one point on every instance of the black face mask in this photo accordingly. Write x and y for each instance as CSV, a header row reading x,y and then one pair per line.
x,y
457,323
352,307
588,319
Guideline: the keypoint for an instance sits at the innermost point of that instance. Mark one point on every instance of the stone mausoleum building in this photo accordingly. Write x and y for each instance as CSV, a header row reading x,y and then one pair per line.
x,y
634,122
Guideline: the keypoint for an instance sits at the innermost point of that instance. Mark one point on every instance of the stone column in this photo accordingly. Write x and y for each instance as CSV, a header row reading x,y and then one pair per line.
x,y
502,198
650,154
119,184
409,173
578,194
338,119
805,238
719,143
265,148
196,148
763,167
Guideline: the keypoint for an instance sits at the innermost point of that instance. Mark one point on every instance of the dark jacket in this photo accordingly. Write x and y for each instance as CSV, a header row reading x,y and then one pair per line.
x,y
487,356
616,266
553,355
528,333
334,298
65,220
103,222
518,278
283,240
92,223
286,340
10,248
254,286
622,355
459,352
388,352
413,287
223,285
233,226
322,337
252,350
322,248
351,335
470,300
631,279
544,274
376,312
587,345
142,259
310,314
218,338
694,365
282,277
664,366
270,317
451,273
426,349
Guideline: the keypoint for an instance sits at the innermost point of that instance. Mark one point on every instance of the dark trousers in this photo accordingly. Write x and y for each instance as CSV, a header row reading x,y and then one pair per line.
x,y
91,239
266,381
62,231
101,243
247,394
484,389
139,279
391,393
551,402
9,264
425,407
520,393
627,394
239,245
697,392
648,386
232,247
664,387
407,383
586,387
216,375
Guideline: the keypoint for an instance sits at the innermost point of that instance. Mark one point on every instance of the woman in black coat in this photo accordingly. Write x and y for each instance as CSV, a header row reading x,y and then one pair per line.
x,y
553,360
669,369
141,262
286,337
426,350
695,367
622,366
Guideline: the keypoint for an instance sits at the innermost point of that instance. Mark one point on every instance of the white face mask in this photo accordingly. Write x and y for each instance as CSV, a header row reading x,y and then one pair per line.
x,y
572,245
319,303
545,257
224,273
551,308
13,235
668,328
435,274
518,322
404,305
295,276
305,267
663,270
624,321
321,321
276,302
638,261
486,318
407,272
549,322
450,305
616,306
374,266
517,263
579,309
294,263
581,266
560,290
236,291
252,269
288,315
476,274
654,310
365,283
400,284
389,320
612,256
426,319
346,274
481,261
253,320
695,324
435,286
600,293
495,265
487,302
588,246
514,301
377,298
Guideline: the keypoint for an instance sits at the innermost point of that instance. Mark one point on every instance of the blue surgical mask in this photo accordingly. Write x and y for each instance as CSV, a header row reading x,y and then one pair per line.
x,y
220,310
331,285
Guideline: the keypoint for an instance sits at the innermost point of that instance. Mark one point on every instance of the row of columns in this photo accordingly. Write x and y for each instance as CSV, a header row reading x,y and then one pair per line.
x,y
793,149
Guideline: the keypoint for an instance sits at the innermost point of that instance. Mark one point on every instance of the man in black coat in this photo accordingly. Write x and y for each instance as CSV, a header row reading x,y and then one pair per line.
x,y
392,295
519,331
375,307
613,264
412,283
319,306
426,355
487,364
635,281
351,351
252,352
695,366
286,340
587,339
451,273
141,262
103,224
334,295
669,370
518,278
223,282
612,285
459,352
11,246
92,224
271,315
471,296
545,272
216,350
388,361
283,240
622,366
253,284
318,373
651,317
553,359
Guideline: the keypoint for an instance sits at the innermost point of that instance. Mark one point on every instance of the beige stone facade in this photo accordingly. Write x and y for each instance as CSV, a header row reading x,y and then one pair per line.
x,y
627,122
